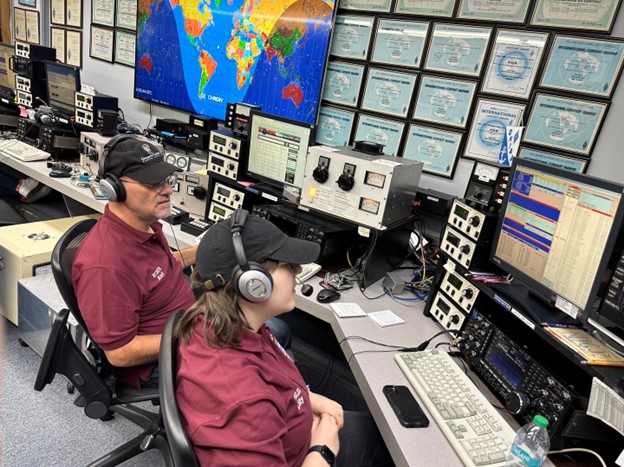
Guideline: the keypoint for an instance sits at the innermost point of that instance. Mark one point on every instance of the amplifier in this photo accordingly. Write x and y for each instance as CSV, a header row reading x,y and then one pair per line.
x,y
189,192
91,149
227,154
332,236
467,253
444,310
88,107
58,141
224,201
476,225
487,185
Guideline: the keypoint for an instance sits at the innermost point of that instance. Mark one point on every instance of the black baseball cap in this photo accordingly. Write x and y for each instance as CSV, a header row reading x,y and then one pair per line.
x,y
137,158
262,240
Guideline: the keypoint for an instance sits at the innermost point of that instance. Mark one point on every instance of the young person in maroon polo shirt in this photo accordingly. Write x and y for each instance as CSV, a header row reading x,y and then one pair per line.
x,y
242,399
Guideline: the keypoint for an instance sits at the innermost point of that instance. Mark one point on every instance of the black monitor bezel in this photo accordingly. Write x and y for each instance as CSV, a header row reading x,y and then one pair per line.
x,y
534,286
76,72
262,178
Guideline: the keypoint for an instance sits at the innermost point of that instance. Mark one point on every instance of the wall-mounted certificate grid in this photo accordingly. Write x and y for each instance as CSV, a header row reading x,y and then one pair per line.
x,y
440,8
514,62
594,15
500,11
400,42
554,160
103,12
342,83
369,5
457,49
351,36
568,124
57,12
334,126
388,92
489,124
126,14
580,64
444,100
379,130
436,149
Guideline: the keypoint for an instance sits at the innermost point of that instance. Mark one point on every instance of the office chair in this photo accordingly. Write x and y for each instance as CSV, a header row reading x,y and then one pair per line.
x,y
88,370
179,445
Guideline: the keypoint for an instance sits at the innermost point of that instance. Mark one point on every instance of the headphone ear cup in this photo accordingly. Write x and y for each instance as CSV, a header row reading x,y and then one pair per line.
x,y
113,188
254,284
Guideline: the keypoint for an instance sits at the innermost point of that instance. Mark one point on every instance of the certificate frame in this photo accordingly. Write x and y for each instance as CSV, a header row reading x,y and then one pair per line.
x,y
74,9
103,15
554,160
351,27
343,82
582,16
436,8
120,56
493,10
31,3
514,62
121,18
57,12
33,27
379,6
105,34
428,144
73,55
368,125
577,69
331,133
444,100
58,41
448,54
554,120
393,97
19,24
488,128
403,52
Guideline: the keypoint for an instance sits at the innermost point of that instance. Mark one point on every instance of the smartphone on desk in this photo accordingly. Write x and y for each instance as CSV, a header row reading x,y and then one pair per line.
x,y
405,406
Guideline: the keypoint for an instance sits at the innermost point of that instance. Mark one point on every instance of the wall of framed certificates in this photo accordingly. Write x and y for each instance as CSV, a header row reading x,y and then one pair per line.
x,y
442,81
113,31
66,30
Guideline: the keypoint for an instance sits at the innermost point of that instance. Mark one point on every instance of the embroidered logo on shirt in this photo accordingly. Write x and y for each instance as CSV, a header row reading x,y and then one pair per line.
x,y
158,274
298,398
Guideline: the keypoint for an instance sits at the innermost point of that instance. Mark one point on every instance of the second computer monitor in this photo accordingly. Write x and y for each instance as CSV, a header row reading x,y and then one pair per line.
x,y
62,82
7,77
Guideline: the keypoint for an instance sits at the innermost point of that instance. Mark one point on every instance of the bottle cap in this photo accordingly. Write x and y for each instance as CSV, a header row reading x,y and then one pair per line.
x,y
540,421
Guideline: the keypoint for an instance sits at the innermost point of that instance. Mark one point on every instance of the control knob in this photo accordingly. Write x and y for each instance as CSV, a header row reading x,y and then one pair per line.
x,y
320,173
346,181
467,293
474,221
236,197
517,402
231,167
465,249
233,145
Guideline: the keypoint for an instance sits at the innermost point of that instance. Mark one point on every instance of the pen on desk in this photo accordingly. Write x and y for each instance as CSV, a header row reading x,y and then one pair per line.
x,y
599,363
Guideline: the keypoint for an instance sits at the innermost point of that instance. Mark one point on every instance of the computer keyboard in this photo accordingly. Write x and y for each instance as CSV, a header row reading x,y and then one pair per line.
x,y
477,432
22,151
308,270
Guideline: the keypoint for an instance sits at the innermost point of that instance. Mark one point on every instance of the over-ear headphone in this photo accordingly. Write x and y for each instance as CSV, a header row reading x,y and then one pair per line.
x,y
110,185
249,278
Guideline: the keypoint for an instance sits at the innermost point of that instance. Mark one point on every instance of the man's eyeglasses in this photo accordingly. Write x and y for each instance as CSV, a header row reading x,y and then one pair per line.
x,y
157,187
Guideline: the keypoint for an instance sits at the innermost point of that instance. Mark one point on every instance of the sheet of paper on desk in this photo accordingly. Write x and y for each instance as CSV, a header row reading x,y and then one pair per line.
x,y
385,318
347,310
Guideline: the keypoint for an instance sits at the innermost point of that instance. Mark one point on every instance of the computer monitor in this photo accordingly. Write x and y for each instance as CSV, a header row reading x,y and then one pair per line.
x,y
278,148
556,233
7,77
62,82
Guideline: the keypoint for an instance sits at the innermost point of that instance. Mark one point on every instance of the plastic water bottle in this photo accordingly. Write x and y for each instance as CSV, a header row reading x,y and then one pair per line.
x,y
531,444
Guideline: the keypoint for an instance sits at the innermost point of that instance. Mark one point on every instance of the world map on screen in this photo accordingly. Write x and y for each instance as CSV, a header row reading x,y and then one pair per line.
x,y
199,55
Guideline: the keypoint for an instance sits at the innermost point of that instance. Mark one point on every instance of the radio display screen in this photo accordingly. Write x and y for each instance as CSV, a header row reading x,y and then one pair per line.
x,y
506,361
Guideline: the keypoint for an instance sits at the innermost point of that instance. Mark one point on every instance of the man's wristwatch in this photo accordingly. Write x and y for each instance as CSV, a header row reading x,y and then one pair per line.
x,y
327,453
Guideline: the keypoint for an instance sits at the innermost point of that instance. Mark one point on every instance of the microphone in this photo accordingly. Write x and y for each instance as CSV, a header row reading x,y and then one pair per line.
x,y
306,289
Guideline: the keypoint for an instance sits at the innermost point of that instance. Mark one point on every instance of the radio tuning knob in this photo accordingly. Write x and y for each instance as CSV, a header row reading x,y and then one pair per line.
x,y
474,221
454,319
465,249
346,181
517,402
236,197
467,293
233,145
320,173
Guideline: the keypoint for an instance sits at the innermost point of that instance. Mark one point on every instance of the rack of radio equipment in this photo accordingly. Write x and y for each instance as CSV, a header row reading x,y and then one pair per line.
x,y
227,154
30,80
486,186
88,107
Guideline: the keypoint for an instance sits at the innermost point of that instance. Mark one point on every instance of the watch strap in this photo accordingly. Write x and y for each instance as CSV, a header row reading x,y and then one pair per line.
x,y
324,451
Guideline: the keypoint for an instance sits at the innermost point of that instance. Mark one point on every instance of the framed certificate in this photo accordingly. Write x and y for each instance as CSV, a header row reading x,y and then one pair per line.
x,y
582,64
351,36
73,54
32,3
102,44
125,45
57,42
334,126
458,49
126,16
565,123
369,5
514,62
440,8
342,83
19,24
555,160
594,15
57,12
382,131
73,13
32,26
437,149
388,92
489,124
103,12
400,42
444,100
499,11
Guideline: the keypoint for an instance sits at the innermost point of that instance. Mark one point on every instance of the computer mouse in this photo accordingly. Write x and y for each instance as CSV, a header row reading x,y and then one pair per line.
x,y
328,295
56,173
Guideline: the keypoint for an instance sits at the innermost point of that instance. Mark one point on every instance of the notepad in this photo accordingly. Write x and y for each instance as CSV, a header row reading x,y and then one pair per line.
x,y
347,310
385,318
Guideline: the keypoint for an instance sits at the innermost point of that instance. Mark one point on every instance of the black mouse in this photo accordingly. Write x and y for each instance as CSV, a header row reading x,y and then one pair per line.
x,y
328,295
60,173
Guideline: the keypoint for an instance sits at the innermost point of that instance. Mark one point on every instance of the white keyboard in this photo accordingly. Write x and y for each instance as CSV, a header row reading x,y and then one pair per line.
x,y
477,432
22,151
308,270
